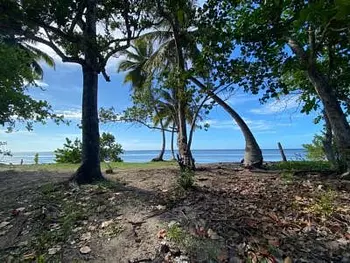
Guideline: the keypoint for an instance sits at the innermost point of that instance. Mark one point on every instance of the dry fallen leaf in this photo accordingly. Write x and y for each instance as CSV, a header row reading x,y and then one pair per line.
x,y
212,234
287,260
86,236
54,250
29,256
161,234
85,250
106,223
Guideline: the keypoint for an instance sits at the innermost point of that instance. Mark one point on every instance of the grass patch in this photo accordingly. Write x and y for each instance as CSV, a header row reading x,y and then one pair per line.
x,y
324,204
287,177
68,167
201,248
317,166
186,179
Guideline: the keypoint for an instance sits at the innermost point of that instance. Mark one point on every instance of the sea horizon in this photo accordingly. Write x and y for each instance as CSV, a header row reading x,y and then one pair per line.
x,y
200,155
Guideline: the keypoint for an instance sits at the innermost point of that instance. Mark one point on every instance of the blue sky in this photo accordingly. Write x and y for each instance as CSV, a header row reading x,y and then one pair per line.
x,y
276,121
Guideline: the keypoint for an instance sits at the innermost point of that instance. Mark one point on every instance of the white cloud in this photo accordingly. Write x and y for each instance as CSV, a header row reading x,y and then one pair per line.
x,y
283,104
70,114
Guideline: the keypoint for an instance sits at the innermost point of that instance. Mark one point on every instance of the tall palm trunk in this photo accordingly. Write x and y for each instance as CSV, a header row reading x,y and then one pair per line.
x,y
185,158
172,142
252,154
90,169
159,158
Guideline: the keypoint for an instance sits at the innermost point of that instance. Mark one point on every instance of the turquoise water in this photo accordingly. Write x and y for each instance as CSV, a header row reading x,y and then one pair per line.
x,y
201,156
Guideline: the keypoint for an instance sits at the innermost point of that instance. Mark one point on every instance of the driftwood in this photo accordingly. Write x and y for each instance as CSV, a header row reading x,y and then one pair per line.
x,y
284,158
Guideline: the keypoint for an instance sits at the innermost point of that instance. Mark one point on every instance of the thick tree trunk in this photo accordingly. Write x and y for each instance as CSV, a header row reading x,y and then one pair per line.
x,y
336,116
185,158
90,169
172,142
159,158
252,155
327,142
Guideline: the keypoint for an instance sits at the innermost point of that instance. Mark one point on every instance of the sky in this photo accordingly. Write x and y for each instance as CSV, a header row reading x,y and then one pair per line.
x,y
275,121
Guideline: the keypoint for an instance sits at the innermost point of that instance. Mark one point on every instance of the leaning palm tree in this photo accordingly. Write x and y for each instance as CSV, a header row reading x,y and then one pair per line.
x,y
167,49
140,74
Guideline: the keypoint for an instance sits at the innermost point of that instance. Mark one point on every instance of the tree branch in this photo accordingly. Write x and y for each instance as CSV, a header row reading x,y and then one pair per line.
x,y
297,50
57,50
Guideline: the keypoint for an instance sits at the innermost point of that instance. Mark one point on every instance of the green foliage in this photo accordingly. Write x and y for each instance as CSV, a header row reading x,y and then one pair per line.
x,y
314,150
302,166
287,177
72,151
186,178
18,72
36,158
203,249
324,204
176,233
109,149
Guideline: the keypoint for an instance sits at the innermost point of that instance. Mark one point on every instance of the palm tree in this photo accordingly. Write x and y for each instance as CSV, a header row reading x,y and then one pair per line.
x,y
34,53
140,74
168,45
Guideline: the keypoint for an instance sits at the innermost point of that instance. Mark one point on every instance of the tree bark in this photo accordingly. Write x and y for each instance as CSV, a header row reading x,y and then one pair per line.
x,y
172,142
159,158
326,93
336,116
327,141
90,169
252,155
185,158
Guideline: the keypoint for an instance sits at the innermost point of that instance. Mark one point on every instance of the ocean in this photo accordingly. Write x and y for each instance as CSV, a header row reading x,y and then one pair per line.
x,y
201,156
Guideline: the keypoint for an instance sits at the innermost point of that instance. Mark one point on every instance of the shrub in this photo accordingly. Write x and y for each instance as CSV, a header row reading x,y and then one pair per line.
x,y
36,158
72,151
109,149
186,179
315,150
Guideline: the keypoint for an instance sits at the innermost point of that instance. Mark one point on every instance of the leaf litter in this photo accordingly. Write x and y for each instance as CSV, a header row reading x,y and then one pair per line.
x,y
231,214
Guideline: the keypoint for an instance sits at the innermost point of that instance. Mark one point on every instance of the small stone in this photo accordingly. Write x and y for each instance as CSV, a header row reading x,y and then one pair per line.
x,y
85,250
92,228
119,218
161,207
54,250
3,233
106,223
86,236
20,209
